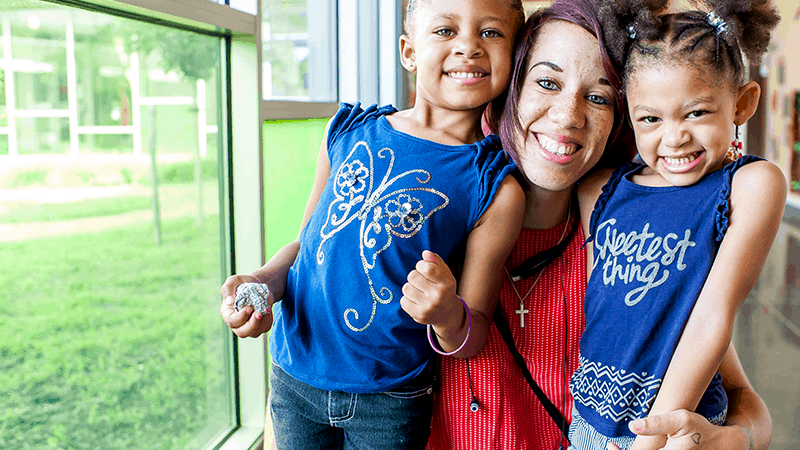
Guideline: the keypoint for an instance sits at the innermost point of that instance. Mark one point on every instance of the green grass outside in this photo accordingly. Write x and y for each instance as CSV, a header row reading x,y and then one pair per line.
x,y
110,341
106,339
171,197
48,212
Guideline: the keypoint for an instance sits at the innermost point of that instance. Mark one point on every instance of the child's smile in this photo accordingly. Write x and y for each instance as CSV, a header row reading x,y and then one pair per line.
x,y
461,52
683,163
683,123
468,75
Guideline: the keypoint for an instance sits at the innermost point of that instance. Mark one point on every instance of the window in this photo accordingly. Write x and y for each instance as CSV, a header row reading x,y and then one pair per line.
x,y
113,230
299,57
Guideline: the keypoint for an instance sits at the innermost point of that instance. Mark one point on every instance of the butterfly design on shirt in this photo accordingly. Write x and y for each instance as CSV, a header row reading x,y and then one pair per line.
x,y
394,206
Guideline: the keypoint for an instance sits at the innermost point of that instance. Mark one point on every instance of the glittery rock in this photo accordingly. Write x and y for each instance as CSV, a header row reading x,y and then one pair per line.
x,y
255,294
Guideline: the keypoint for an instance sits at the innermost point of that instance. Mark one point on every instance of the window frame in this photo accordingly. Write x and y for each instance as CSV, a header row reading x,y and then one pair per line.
x,y
239,74
378,78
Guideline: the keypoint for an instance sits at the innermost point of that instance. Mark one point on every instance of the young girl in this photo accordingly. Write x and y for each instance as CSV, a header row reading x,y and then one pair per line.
x,y
676,242
352,359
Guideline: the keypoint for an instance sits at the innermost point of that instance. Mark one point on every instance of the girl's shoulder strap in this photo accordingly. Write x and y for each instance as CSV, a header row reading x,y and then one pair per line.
x,y
491,166
608,190
724,200
351,116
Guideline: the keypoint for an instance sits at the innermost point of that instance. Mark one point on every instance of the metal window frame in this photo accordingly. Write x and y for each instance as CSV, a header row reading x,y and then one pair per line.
x,y
370,75
201,16
242,131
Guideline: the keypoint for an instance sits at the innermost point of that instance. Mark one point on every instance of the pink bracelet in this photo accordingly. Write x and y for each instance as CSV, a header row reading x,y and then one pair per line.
x,y
469,329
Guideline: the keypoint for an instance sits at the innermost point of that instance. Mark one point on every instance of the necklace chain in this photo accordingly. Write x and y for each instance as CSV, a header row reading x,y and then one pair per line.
x,y
522,311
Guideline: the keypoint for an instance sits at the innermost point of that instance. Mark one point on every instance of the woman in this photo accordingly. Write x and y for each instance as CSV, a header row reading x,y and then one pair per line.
x,y
561,113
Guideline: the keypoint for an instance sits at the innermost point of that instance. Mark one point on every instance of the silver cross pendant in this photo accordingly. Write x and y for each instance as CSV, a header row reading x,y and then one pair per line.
x,y
522,311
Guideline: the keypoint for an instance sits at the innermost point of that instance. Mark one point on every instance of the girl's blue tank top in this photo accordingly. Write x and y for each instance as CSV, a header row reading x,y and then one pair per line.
x,y
653,249
389,196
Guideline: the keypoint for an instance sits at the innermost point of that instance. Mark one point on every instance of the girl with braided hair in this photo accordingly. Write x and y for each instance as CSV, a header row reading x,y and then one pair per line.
x,y
677,240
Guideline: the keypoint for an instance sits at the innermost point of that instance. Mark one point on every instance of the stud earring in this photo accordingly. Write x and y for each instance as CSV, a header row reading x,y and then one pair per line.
x,y
735,150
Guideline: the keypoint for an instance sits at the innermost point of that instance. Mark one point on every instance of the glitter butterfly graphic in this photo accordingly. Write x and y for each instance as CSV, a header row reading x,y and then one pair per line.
x,y
382,213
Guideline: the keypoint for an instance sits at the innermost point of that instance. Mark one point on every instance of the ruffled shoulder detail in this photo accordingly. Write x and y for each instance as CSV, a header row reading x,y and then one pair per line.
x,y
351,116
491,167
602,200
724,201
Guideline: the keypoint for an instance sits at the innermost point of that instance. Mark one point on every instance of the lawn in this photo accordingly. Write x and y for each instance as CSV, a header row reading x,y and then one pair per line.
x,y
110,341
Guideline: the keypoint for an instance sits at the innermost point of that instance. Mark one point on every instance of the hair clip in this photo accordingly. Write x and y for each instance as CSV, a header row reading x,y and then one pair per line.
x,y
631,32
716,21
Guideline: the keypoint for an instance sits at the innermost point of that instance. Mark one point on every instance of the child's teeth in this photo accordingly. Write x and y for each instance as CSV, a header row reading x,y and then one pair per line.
x,y
466,75
679,161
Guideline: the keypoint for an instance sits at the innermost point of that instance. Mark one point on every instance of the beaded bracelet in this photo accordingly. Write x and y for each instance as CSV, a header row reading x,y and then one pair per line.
x,y
469,329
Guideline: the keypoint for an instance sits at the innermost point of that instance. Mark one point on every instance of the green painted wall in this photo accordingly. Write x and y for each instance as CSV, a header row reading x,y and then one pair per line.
x,y
291,148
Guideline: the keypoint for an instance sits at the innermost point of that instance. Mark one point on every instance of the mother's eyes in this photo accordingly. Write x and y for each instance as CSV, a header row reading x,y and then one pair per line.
x,y
550,85
598,99
547,83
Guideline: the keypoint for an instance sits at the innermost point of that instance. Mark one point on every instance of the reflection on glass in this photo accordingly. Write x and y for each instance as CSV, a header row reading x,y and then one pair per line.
x,y
39,60
113,338
298,43
3,112
767,336
42,136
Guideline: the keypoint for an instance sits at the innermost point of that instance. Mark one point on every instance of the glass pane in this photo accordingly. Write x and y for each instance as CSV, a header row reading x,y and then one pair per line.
x,y
291,148
299,50
129,350
3,111
103,83
767,335
42,135
39,58
248,6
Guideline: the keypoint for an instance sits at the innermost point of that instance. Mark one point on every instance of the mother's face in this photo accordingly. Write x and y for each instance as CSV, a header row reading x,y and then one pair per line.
x,y
566,107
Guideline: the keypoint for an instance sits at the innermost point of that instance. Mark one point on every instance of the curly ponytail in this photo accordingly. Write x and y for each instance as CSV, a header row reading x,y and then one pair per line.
x,y
639,30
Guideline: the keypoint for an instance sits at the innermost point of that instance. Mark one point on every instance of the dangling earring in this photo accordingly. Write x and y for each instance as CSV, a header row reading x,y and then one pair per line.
x,y
735,150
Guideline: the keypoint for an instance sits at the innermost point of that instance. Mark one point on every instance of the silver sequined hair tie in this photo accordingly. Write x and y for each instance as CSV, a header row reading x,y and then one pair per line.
x,y
631,32
716,21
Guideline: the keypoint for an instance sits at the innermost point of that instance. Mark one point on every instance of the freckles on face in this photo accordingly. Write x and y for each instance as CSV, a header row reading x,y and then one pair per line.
x,y
566,107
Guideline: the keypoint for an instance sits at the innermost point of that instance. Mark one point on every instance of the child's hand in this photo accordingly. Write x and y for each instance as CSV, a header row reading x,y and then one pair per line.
x,y
649,443
429,296
244,322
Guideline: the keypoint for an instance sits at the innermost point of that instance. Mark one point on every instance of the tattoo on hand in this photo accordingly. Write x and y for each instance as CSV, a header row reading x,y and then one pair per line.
x,y
696,438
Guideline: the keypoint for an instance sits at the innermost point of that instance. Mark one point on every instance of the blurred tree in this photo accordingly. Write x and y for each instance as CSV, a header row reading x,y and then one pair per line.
x,y
193,57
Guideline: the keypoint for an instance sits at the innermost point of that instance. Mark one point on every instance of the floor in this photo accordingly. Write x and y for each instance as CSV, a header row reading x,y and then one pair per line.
x,y
767,336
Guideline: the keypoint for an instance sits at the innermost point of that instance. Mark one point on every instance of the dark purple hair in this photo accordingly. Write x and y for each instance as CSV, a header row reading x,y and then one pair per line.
x,y
504,112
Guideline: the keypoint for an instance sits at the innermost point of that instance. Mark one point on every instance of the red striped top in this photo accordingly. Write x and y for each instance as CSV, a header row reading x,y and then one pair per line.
x,y
510,415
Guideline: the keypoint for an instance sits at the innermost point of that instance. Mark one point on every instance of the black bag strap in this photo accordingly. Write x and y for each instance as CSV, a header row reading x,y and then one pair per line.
x,y
551,409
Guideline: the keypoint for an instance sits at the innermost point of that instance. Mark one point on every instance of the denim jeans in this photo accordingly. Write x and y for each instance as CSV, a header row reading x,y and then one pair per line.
x,y
304,417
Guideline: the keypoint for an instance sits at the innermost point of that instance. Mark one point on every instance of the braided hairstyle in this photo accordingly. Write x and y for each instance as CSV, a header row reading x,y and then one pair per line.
x,y
413,5
639,31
